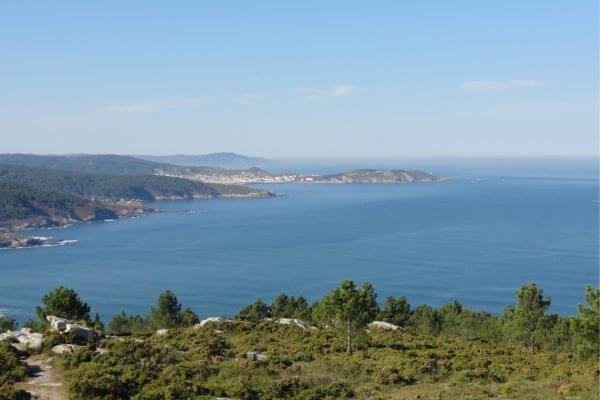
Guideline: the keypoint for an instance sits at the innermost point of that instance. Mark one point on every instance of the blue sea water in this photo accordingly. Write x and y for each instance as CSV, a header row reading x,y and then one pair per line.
x,y
471,239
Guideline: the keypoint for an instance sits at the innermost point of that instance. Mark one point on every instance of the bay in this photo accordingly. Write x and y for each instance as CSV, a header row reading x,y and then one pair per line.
x,y
471,239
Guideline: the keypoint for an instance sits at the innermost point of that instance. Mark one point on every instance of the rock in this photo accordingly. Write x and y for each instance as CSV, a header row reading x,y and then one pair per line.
x,y
254,356
65,348
56,323
65,326
101,351
291,321
32,343
81,331
24,339
383,325
211,320
161,332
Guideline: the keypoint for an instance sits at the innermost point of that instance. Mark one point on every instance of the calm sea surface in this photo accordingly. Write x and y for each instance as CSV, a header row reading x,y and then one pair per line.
x,y
475,240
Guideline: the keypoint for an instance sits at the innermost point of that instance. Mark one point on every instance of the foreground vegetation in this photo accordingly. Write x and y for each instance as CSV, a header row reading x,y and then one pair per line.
x,y
446,353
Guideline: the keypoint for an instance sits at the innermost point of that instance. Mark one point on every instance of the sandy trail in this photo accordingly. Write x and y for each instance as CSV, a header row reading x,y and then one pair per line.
x,y
45,382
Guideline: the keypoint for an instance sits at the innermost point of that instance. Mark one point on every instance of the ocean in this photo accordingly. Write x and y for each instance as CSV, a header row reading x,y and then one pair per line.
x,y
475,239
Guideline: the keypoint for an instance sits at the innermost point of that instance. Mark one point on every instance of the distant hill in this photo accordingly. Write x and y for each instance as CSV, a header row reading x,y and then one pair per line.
x,y
19,202
92,163
223,160
115,187
379,176
110,164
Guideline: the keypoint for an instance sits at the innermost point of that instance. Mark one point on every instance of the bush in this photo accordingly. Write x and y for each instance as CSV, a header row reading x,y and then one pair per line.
x,y
12,370
8,324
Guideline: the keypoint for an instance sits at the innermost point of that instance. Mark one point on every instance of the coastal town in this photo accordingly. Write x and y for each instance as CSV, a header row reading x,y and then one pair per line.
x,y
256,175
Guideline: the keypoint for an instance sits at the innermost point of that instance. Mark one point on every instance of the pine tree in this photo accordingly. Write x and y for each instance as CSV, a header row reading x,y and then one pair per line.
x,y
349,309
586,325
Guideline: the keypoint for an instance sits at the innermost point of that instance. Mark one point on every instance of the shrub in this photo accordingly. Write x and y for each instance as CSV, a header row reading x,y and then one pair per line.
x,y
8,324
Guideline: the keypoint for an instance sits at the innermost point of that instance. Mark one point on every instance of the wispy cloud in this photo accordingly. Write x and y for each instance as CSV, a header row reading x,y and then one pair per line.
x,y
250,98
342,90
496,85
154,106
335,91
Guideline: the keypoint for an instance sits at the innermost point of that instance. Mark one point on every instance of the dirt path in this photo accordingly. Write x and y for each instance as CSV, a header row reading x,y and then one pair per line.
x,y
44,383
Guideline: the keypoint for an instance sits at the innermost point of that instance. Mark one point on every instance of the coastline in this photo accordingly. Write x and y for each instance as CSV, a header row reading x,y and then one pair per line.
x,y
9,239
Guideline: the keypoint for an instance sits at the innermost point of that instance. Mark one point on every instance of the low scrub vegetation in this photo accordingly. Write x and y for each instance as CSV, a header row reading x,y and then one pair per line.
x,y
332,353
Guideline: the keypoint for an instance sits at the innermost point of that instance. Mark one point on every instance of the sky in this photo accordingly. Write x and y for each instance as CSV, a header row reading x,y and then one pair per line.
x,y
300,79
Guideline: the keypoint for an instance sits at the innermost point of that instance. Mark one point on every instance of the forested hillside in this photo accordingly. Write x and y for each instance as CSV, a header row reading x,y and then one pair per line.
x,y
23,202
91,163
115,187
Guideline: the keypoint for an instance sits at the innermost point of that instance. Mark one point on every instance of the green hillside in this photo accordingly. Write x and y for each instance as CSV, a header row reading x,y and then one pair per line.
x,y
90,163
114,187
22,202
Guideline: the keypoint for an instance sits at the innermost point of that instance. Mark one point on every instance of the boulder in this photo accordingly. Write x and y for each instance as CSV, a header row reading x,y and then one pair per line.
x,y
24,339
211,320
65,348
254,356
31,342
81,331
291,321
383,325
56,323
65,326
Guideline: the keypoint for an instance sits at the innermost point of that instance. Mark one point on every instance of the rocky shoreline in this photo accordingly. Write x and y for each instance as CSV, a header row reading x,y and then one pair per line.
x,y
9,239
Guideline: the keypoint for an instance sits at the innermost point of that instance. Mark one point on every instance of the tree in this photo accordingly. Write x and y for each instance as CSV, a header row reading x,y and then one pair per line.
x,y
285,306
586,325
395,311
350,309
530,320
450,318
123,324
64,303
425,320
167,312
97,323
255,311
188,318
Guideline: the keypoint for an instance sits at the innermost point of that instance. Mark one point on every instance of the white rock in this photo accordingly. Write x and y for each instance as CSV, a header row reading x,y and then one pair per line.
x,y
81,331
65,348
211,320
32,343
383,325
56,323
25,337
291,321
161,332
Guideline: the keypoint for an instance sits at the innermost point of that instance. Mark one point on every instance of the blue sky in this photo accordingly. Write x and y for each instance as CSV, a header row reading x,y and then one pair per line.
x,y
309,78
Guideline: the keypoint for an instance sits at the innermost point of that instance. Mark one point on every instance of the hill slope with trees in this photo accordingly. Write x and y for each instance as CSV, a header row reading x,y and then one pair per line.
x,y
116,187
